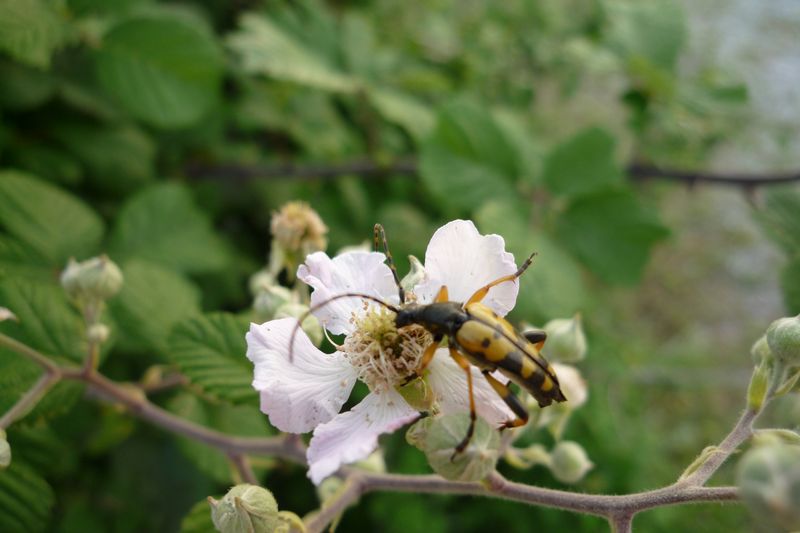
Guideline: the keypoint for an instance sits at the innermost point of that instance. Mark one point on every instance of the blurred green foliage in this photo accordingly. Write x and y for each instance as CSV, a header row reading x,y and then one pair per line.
x,y
123,124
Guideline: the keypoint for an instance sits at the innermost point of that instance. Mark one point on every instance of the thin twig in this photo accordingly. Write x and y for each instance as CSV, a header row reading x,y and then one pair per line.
x,y
409,167
29,400
25,350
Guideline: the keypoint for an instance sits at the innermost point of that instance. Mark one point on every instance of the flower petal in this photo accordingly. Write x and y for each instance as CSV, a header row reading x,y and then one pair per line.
x,y
464,260
363,272
353,435
296,396
449,385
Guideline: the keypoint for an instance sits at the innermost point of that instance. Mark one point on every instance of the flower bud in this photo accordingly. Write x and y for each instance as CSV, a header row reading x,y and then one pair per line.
x,y
475,462
97,333
259,280
769,482
98,278
329,488
783,337
569,462
310,323
759,383
6,314
245,509
415,276
418,394
269,299
555,417
288,522
566,341
373,463
760,351
5,450
298,229
418,433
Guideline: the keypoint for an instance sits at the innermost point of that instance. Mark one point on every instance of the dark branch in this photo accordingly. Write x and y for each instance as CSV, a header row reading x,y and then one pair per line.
x,y
408,167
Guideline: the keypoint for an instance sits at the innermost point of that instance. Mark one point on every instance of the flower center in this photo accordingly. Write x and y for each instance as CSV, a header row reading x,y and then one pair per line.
x,y
383,355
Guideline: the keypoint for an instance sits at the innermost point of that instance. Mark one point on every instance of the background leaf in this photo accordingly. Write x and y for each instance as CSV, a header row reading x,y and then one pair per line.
x,y
54,223
210,351
790,284
30,31
611,233
163,69
655,30
25,500
162,224
198,519
582,164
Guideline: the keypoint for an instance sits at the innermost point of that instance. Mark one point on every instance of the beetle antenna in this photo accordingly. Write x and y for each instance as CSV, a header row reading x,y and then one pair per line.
x,y
326,302
379,235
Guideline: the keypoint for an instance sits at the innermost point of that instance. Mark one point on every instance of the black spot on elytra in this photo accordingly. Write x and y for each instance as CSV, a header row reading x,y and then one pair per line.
x,y
485,343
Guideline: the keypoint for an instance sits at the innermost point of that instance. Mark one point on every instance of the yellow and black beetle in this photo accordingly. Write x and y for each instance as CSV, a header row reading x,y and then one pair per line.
x,y
477,336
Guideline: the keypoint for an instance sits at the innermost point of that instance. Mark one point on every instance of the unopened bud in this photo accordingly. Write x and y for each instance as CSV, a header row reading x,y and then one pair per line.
x,y
5,450
769,483
298,229
97,333
329,489
415,276
6,314
566,341
269,299
556,416
783,337
259,280
310,323
288,522
417,434
760,351
98,278
569,462
245,509
475,462
759,383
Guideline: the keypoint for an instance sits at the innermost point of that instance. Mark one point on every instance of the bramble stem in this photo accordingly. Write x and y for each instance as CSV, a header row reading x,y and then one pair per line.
x,y
242,465
35,356
29,400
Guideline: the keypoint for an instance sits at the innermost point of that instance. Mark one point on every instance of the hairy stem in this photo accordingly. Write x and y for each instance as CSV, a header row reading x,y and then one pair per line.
x,y
25,350
29,399
243,468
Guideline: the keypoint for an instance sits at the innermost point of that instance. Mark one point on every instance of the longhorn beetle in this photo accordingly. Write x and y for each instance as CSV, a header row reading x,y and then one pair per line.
x,y
477,336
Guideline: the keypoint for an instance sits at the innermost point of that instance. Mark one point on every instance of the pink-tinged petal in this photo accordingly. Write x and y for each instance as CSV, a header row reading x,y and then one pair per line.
x,y
296,396
464,260
362,272
449,385
353,435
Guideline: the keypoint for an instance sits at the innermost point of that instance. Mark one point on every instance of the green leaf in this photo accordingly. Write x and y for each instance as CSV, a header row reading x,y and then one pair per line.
x,y
52,222
468,159
790,284
404,111
153,299
162,224
23,87
264,48
611,233
119,158
30,31
48,323
25,500
553,286
239,420
582,164
165,70
654,30
198,519
210,351
18,260
780,218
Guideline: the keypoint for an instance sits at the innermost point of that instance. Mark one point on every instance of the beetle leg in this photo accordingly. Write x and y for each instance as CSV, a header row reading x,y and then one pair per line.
x,y
427,355
536,337
464,364
379,235
442,295
480,294
510,400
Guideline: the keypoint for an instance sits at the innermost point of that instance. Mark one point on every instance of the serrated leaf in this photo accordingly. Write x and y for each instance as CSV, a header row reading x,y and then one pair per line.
x,y
54,223
30,31
198,519
264,48
163,69
241,420
163,225
780,217
582,164
790,284
611,233
553,286
25,500
152,300
49,324
18,260
210,351
467,159
654,30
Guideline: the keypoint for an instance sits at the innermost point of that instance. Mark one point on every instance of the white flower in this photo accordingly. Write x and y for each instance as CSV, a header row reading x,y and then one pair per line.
x,y
306,395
